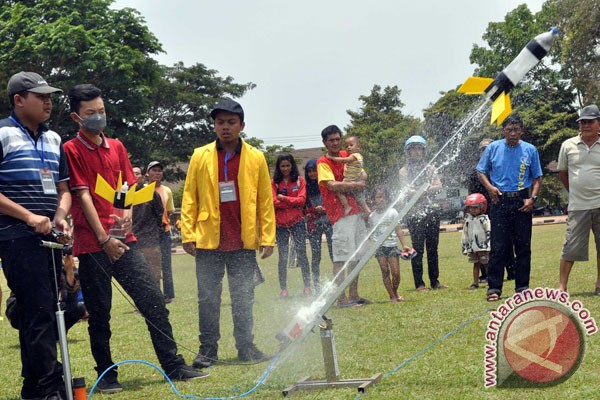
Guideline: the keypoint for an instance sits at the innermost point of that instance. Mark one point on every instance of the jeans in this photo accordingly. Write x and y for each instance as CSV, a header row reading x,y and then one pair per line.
x,y
167,270
134,275
425,232
510,227
210,270
315,238
29,273
298,233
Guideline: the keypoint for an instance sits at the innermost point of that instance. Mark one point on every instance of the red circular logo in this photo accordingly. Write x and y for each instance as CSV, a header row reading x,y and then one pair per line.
x,y
542,344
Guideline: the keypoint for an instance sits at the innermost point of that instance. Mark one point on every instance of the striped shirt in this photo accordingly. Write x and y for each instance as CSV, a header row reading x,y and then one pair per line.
x,y
22,157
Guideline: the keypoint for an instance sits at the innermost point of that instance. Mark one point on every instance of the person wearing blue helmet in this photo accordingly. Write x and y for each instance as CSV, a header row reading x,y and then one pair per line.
x,y
423,220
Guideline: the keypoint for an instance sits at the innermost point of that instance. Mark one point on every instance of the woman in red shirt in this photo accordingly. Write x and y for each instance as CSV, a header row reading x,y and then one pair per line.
x,y
289,196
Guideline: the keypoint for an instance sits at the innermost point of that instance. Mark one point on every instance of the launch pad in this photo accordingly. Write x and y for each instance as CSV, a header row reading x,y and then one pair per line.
x,y
332,373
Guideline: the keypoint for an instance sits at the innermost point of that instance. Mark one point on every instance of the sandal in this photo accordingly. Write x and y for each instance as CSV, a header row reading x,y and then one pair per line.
x,y
473,286
493,296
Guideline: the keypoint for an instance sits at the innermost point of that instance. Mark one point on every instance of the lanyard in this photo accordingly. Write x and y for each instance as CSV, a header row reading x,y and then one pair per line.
x,y
34,144
227,157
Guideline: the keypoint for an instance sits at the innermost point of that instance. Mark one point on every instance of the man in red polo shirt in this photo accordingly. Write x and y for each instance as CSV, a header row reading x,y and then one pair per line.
x,y
348,230
102,256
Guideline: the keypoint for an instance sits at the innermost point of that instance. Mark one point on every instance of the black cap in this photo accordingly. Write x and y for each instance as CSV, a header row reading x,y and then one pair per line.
x,y
589,112
31,82
154,164
228,105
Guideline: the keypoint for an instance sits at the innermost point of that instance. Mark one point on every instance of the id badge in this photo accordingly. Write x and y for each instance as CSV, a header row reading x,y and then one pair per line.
x,y
227,191
47,181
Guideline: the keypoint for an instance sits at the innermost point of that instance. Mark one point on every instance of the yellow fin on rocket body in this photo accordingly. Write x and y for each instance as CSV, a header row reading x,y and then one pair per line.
x,y
475,85
104,190
501,108
143,195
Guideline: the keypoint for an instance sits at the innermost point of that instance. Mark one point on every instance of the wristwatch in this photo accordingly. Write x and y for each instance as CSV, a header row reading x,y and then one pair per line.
x,y
534,198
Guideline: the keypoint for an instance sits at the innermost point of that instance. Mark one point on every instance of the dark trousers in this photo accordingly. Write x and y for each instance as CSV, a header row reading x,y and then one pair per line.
x,y
298,234
167,269
425,233
210,270
315,238
510,227
29,273
134,275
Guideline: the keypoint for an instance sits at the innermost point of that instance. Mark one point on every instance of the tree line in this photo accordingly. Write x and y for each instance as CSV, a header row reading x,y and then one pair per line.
x,y
162,112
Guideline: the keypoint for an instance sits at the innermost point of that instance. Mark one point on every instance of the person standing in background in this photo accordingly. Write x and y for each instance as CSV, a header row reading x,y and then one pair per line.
x,y
148,227
155,174
317,223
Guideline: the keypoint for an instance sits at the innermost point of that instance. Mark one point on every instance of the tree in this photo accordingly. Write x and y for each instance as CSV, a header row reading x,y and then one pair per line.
x,y
158,112
579,21
382,130
81,41
178,118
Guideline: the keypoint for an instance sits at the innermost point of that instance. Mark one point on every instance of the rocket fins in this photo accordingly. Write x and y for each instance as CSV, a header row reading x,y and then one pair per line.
x,y
143,195
104,190
475,85
501,108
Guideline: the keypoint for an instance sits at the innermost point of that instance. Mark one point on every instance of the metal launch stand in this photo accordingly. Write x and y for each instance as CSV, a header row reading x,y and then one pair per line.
x,y
332,372
60,322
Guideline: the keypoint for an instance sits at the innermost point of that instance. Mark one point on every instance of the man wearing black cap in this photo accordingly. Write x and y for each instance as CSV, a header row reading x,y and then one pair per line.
x,y
579,172
34,197
226,215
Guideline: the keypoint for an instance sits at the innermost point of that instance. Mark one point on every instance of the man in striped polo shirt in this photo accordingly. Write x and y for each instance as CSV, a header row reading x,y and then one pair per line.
x,y
34,198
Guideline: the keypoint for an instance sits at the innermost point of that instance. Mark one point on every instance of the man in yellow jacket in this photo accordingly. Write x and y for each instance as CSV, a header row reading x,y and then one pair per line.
x,y
226,215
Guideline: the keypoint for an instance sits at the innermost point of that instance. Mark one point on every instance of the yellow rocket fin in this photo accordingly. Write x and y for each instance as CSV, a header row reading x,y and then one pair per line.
x,y
119,182
143,195
475,85
104,190
501,108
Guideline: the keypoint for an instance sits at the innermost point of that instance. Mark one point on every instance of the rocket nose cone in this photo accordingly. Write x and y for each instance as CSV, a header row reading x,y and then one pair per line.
x,y
546,39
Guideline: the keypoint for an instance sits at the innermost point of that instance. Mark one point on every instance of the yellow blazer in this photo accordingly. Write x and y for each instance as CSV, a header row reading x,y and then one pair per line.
x,y
200,208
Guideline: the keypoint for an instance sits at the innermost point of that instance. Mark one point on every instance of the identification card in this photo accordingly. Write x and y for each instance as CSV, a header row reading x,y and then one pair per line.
x,y
47,181
227,191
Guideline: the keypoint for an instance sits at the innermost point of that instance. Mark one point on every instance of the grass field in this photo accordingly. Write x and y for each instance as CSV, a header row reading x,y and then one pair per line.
x,y
370,339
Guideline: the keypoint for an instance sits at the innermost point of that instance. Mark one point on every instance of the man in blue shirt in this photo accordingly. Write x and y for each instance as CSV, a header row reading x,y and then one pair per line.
x,y
34,198
510,171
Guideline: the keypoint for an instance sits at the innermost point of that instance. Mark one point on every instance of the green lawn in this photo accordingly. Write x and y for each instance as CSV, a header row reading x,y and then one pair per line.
x,y
370,339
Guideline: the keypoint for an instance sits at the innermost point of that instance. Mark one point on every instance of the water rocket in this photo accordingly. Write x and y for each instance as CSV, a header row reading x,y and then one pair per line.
x,y
497,89
123,196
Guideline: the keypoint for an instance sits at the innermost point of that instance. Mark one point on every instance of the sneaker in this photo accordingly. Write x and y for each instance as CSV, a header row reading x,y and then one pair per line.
x,y
307,291
168,300
440,286
283,294
108,385
251,353
186,373
203,361
482,280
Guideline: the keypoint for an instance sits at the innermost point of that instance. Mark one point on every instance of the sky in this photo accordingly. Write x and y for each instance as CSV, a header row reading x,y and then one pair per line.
x,y
311,60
